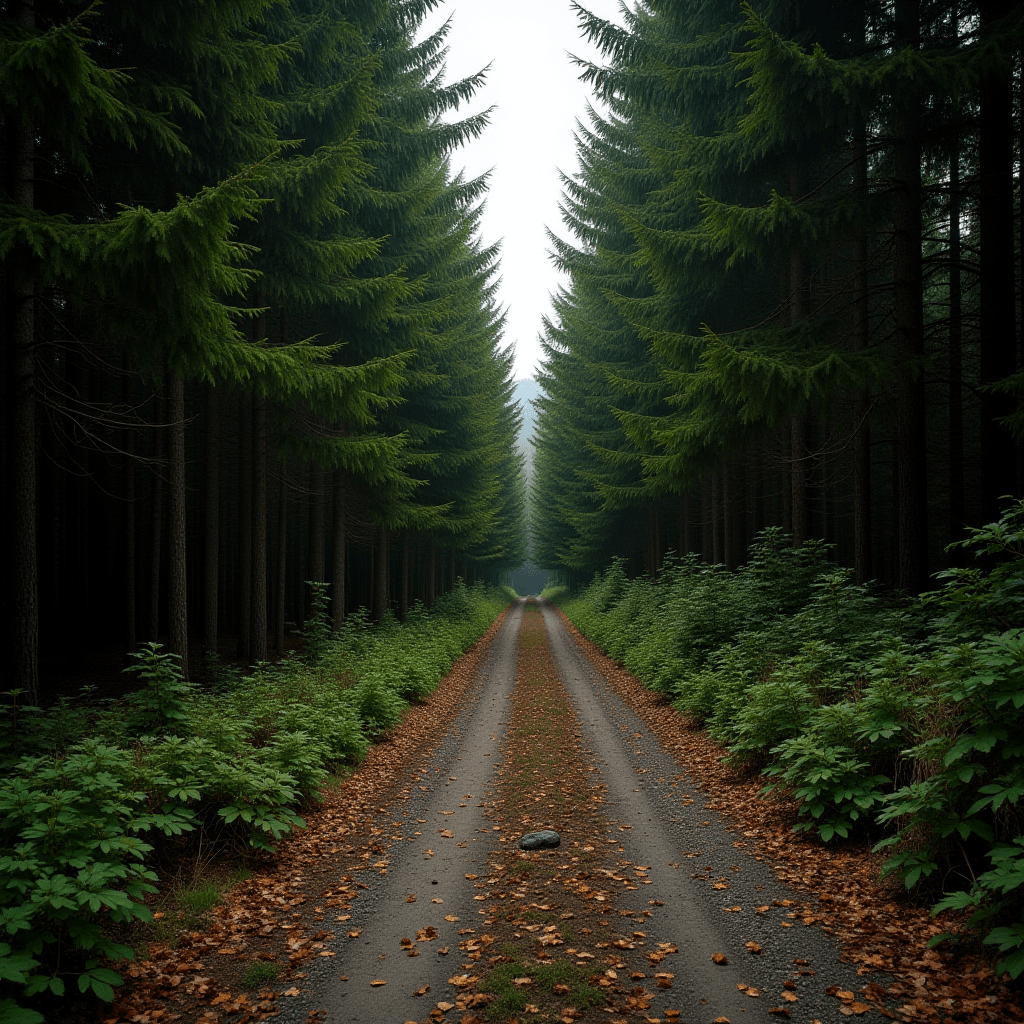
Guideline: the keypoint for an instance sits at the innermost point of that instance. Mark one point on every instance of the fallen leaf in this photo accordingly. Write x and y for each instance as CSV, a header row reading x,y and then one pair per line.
x,y
720,958
790,997
377,981
754,948
522,981
450,917
445,1006
447,833
436,900
292,992
411,898
355,934
422,991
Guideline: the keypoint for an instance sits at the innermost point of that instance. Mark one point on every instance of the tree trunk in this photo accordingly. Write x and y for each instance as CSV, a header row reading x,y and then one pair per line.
x,y
998,279
245,529
717,533
177,591
338,596
131,638
911,454
211,523
282,561
862,399
22,576
317,529
156,515
403,597
955,482
798,479
258,629
380,583
431,576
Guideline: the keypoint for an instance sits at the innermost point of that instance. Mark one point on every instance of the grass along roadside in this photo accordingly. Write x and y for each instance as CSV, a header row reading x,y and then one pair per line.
x,y
557,945
886,938
238,957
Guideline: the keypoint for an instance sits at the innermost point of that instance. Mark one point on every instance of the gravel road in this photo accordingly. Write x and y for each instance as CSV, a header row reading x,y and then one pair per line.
x,y
657,818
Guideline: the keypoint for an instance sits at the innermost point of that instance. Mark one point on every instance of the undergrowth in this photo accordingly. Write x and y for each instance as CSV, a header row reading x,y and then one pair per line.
x,y
896,719
95,795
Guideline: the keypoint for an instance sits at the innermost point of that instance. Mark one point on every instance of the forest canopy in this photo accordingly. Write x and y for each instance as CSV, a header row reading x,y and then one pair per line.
x,y
793,250
250,327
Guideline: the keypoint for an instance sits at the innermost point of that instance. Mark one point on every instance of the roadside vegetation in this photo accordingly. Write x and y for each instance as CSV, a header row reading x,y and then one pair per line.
x,y
100,799
898,719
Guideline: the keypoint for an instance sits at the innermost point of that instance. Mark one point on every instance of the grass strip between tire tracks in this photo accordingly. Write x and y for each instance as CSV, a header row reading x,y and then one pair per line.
x,y
556,943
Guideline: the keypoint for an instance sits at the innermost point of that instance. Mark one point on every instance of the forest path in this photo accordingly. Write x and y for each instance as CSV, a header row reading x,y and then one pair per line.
x,y
639,851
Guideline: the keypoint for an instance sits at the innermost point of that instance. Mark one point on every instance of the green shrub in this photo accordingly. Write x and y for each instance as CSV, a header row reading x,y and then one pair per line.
x,y
875,712
233,763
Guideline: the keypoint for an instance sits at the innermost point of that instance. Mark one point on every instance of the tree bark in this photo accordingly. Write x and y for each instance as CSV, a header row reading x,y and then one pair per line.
x,y
338,595
22,577
955,482
211,523
131,638
156,515
998,301
177,593
717,533
862,399
798,479
431,576
911,453
403,597
245,528
317,529
282,561
258,628
380,582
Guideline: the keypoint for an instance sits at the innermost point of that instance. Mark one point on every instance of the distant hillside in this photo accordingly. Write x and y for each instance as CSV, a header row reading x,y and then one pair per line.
x,y
526,391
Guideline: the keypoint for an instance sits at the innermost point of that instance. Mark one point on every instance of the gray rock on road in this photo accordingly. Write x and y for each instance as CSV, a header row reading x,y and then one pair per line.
x,y
546,839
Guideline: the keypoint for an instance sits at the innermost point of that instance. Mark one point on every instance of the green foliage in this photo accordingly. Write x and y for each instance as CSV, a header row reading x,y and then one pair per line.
x,y
160,705
233,764
899,720
260,973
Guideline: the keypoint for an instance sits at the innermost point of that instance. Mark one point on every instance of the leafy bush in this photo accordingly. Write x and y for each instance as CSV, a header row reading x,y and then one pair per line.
x,y
878,714
233,764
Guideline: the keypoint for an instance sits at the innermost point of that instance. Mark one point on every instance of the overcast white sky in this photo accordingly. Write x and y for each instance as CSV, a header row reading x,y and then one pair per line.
x,y
539,99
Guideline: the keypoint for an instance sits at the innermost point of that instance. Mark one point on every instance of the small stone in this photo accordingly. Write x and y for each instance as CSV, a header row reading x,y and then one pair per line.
x,y
544,840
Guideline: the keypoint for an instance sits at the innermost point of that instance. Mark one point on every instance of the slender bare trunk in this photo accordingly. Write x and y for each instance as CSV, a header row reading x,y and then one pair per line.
x,y
998,302
22,577
403,598
955,483
259,531
338,598
379,601
862,399
211,523
317,530
131,639
798,478
177,594
282,560
156,515
911,454
245,528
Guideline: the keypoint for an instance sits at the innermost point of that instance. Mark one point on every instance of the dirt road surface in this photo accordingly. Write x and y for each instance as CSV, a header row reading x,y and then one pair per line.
x,y
713,941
